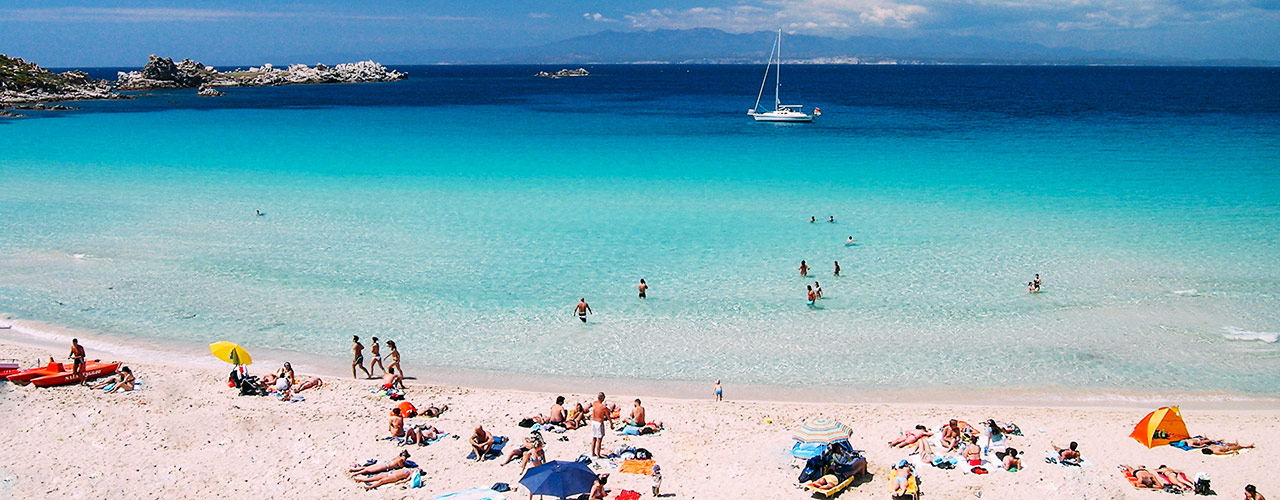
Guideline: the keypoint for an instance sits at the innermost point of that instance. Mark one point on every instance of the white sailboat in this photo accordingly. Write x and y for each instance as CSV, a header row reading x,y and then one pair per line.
x,y
781,112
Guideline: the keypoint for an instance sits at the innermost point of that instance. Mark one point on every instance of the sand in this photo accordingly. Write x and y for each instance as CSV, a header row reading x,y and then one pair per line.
x,y
185,434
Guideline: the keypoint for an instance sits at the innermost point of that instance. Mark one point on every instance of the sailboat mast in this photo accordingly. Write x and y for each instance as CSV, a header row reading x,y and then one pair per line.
x,y
777,101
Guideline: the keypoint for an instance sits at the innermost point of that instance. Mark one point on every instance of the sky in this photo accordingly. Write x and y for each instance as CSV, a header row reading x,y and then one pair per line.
x,y
83,33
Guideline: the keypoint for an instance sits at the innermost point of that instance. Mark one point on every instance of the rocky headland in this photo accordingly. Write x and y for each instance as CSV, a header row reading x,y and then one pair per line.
x,y
163,73
563,73
26,82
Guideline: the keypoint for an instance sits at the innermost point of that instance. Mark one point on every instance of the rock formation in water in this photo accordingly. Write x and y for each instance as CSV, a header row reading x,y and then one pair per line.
x,y
207,91
163,73
563,73
26,82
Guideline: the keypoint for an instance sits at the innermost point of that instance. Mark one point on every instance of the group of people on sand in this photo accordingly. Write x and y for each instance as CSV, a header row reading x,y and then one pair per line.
x,y
396,470
122,380
600,413
284,383
420,434
375,349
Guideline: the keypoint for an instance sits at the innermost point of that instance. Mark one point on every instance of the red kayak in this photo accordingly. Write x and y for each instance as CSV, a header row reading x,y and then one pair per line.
x,y
92,370
24,377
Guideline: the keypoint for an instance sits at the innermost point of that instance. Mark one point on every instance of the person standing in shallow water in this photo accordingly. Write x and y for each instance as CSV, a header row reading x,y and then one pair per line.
x,y
804,269
719,392
376,350
812,296
1037,282
357,357
643,287
837,271
582,309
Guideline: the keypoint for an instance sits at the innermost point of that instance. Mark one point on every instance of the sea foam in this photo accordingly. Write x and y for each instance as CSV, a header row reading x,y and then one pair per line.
x,y
1233,333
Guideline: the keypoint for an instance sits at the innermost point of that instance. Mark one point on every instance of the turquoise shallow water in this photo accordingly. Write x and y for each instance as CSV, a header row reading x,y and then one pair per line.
x,y
463,212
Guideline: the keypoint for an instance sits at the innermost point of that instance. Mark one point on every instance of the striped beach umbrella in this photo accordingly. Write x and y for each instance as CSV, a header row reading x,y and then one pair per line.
x,y
822,431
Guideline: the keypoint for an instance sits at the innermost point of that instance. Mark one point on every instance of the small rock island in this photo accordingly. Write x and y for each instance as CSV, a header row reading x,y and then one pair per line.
x,y
23,82
163,73
563,73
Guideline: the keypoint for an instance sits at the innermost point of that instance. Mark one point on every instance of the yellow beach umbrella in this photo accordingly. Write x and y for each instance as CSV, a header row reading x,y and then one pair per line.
x,y
230,352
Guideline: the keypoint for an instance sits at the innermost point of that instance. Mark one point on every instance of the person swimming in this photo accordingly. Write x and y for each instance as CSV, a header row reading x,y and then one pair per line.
x,y
848,241
812,219
258,213
831,219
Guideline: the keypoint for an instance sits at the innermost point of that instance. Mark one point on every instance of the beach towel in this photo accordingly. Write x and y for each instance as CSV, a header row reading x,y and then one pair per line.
x,y
636,467
1181,445
627,495
473,494
494,452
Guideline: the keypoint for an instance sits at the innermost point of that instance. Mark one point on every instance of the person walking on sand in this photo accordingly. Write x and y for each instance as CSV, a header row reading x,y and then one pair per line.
x,y
643,287
599,413
357,357
812,297
582,309
804,269
719,392
77,360
394,366
376,351
837,271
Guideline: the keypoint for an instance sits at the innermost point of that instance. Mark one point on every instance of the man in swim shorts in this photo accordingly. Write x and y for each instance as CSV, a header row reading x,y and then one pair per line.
x,y
582,309
811,296
357,350
599,413
643,287
719,392
77,360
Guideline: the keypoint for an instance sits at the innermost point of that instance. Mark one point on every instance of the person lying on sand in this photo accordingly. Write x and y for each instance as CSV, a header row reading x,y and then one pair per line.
x,y
1146,479
434,411
556,416
826,482
425,434
1009,459
389,477
1177,477
1068,453
481,442
396,463
901,478
925,450
302,386
107,381
577,417
1224,449
910,437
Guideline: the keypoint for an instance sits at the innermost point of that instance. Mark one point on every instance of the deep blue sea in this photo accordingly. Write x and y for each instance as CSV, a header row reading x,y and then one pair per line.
x,y
462,212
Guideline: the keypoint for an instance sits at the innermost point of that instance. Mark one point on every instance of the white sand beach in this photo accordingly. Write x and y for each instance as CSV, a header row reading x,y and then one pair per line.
x,y
185,434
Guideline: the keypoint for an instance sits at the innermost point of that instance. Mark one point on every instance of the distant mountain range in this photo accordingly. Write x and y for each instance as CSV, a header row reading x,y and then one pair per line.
x,y
705,45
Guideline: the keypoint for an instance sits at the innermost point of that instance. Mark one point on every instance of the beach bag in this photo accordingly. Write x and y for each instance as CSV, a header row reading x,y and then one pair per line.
x,y
1202,486
500,487
416,482
528,422
813,469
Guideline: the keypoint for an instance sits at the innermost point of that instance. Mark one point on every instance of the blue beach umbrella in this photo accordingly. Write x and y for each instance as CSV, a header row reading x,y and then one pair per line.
x,y
559,479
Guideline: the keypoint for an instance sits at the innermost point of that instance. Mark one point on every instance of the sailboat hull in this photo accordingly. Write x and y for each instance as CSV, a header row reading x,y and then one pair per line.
x,y
783,117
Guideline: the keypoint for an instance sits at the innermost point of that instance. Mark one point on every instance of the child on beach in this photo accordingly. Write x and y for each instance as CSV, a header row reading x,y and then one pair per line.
x,y
719,392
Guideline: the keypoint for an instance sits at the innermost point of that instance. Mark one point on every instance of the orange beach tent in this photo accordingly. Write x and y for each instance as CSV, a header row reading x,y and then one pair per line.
x,y
1161,427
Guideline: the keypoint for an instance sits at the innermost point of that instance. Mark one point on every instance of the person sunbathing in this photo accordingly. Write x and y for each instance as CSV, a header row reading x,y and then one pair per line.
x,y
1224,449
126,381
826,482
302,386
1176,477
1200,441
389,477
1145,478
556,416
901,478
1009,459
577,417
1068,453
973,452
435,411
106,382
481,442
519,452
954,431
925,450
910,437
396,463
535,457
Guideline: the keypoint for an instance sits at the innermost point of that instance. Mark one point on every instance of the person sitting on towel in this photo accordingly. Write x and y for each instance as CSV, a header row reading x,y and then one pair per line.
x,y
481,442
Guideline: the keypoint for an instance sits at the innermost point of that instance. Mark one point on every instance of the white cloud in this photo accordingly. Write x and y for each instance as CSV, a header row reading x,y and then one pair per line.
x,y
829,17
598,17
539,15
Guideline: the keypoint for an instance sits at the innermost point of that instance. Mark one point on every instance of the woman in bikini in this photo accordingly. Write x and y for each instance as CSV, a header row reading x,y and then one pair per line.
x,y
394,366
535,457
375,350
395,463
1175,477
391,477
126,381
910,437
